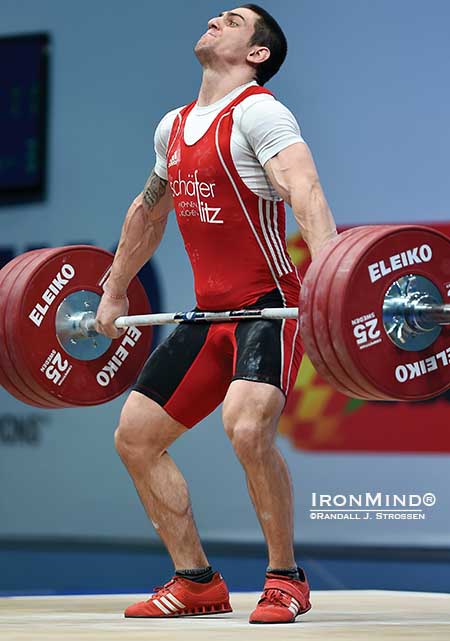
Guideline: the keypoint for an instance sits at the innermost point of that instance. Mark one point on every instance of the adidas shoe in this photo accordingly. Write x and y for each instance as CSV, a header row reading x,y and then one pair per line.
x,y
181,597
282,600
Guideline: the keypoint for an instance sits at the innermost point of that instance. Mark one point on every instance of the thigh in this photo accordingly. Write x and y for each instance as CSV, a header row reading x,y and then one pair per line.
x,y
268,351
188,374
146,424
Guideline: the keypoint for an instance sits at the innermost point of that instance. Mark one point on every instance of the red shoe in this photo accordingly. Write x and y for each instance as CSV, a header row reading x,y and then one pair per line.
x,y
181,597
282,600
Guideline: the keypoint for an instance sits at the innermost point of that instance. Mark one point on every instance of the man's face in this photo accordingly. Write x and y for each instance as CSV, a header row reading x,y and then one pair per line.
x,y
227,37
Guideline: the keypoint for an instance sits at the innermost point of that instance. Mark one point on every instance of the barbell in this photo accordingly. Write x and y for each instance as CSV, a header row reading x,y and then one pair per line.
x,y
371,311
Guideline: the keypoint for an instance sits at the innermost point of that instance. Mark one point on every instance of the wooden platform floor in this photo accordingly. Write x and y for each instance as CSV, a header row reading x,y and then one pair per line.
x,y
336,615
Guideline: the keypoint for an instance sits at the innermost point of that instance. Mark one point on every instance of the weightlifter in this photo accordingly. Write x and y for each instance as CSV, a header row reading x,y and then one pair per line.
x,y
225,163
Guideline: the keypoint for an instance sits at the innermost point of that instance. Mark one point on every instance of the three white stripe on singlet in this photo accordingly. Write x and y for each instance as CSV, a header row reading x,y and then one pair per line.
x,y
269,224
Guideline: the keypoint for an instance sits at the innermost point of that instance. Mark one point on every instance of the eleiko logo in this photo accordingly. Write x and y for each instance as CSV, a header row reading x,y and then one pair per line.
x,y
408,371
107,373
422,254
61,279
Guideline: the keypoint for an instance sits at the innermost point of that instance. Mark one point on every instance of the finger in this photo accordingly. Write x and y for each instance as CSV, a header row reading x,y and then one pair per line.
x,y
108,330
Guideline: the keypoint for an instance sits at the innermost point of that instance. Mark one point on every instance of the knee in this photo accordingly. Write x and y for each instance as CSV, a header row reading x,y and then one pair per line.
x,y
249,444
251,437
123,439
127,442
132,441
145,431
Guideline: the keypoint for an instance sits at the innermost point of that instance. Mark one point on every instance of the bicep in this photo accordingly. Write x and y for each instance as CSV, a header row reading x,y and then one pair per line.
x,y
290,169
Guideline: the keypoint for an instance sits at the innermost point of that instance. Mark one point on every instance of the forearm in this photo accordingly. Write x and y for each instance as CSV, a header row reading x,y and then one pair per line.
x,y
142,232
138,241
313,215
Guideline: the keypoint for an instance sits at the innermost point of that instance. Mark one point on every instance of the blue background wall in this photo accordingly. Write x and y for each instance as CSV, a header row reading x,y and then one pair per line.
x,y
368,82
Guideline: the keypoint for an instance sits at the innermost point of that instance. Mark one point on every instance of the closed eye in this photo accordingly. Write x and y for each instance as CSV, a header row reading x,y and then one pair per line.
x,y
229,15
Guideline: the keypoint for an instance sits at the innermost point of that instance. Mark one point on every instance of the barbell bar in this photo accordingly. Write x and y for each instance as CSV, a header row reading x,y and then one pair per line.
x,y
416,315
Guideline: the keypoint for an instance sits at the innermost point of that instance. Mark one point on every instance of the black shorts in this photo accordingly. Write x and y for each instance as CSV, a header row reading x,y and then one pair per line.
x,y
190,372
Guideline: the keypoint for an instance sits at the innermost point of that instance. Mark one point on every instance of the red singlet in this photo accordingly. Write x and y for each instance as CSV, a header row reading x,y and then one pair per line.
x,y
235,239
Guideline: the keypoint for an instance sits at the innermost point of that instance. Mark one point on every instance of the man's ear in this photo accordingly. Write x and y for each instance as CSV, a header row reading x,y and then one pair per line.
x,y
258,55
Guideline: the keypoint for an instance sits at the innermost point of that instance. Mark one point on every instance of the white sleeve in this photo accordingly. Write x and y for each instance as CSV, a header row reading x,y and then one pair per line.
x,y
268,126
161,140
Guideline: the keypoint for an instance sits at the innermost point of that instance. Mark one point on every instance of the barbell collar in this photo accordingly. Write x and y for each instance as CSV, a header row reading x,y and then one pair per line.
x,y
421,315
430,314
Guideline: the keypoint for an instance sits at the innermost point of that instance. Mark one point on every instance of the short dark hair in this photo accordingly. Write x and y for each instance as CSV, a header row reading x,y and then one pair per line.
x,y
268,33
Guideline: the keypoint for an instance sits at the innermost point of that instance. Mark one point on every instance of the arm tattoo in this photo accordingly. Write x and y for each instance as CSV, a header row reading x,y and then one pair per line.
x,y
154,190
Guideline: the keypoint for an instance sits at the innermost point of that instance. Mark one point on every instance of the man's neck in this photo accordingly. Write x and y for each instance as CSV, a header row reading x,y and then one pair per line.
x,y
216,84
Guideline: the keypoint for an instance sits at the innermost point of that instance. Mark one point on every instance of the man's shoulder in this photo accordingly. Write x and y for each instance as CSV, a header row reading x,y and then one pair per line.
x,y
165,125
261,112
258,103
169,117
